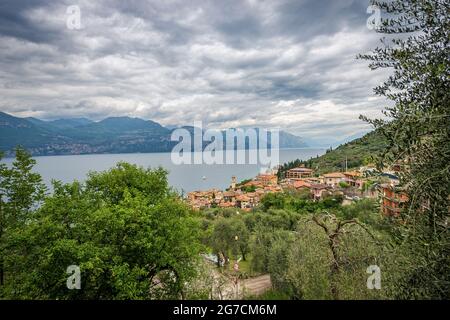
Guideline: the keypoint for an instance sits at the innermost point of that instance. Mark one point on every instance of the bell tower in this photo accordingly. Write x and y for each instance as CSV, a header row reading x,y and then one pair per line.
x,y
233,182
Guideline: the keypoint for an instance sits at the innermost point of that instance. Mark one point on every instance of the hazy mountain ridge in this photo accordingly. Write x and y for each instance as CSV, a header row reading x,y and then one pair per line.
x,y
83,136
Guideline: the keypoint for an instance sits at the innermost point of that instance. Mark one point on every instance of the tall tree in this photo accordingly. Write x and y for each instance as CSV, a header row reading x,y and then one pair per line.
x,y
3,169
417,126
131,237
334,234
21,189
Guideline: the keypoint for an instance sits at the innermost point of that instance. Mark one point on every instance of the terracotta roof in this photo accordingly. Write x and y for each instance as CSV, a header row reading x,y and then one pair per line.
x,y
319,186
226,204
353,173
334,175
301,184
242,198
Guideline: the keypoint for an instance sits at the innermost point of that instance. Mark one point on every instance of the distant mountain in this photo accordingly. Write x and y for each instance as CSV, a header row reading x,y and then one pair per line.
x,y
83,136
124,124
35,121
29,133
288,140
69,123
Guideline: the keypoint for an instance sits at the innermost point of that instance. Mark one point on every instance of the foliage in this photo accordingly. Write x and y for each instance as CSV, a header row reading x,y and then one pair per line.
x,y
343,184
130,236
296,203
417,132
272,219
230,236
302,263
273,200
20,190
20,187
113,184
248,188
352,154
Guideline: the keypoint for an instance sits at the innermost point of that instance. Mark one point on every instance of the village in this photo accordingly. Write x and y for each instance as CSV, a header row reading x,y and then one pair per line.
x,y
350,185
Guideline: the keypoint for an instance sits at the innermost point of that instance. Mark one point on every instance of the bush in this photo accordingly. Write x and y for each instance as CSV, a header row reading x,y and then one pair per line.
x,y
344,184
273,200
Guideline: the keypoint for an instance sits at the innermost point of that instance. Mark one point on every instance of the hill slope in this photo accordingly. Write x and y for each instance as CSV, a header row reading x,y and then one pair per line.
x,y
14,131
357,153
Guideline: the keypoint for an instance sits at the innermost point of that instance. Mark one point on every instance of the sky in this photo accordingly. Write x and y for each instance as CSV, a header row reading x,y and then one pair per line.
x,y
285,64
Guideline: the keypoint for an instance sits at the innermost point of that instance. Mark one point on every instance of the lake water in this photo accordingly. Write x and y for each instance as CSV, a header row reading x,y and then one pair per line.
x,y
182,177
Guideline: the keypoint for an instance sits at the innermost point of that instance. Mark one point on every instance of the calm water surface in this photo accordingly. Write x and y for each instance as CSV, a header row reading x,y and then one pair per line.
x,y
182,177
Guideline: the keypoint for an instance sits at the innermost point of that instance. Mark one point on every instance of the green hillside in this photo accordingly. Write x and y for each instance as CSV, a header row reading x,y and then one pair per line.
x,y
357,153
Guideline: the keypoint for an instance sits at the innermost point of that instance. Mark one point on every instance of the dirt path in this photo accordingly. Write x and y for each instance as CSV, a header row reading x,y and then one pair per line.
x,y
247,287
256,286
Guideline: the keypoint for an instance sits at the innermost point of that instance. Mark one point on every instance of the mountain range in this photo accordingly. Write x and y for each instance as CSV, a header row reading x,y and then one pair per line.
x,y
84,136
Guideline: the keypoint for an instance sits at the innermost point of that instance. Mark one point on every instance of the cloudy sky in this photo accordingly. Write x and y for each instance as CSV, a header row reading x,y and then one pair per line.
x,y
288,64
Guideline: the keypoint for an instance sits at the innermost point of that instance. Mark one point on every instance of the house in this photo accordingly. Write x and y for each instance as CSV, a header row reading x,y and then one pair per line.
x,y
312,180
262,180
229,196
226,204
332,179
236,196
259,193
299,173
253,183
301,184
393,199
243,201
353,178
272,189
203,199
319,190
267,179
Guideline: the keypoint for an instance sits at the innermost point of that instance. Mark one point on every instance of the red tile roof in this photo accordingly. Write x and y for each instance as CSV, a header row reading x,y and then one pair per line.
x,y
334,175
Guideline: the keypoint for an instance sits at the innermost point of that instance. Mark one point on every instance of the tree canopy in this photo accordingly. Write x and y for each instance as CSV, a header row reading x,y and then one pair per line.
x,y
417,129
131,237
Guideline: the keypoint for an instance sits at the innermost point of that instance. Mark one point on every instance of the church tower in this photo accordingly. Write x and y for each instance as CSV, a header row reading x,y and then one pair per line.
x,y
233,182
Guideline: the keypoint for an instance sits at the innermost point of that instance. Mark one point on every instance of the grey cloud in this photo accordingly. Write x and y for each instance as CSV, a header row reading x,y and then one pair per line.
x,y
228,63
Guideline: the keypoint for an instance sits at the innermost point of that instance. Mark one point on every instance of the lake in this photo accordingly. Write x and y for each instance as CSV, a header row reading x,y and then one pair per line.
x,y
182,177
